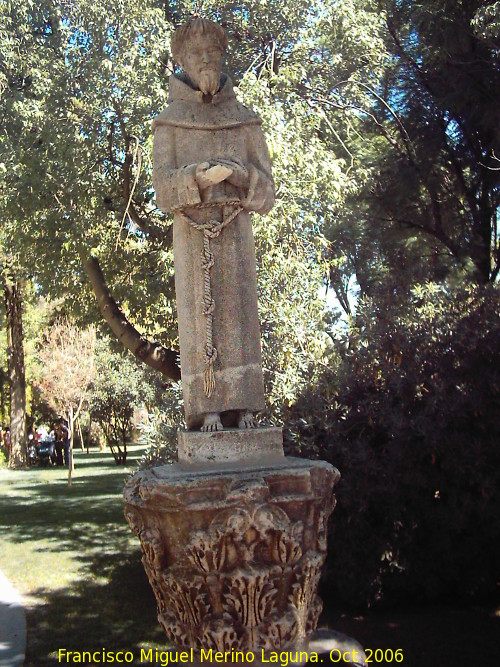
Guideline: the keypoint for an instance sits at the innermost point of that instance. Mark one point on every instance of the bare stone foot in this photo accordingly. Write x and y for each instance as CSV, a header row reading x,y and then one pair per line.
x,y
212,422
247,420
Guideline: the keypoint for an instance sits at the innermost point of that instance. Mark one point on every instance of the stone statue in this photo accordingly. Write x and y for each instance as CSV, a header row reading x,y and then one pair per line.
x,y
234,534
211,167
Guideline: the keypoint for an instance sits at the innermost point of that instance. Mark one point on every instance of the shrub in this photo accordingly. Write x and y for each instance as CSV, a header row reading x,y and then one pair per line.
x,y
410,417
160,439
120,385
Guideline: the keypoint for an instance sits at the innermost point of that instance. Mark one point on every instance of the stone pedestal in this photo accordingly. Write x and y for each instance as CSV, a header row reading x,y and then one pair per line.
x,y
234,551
230,446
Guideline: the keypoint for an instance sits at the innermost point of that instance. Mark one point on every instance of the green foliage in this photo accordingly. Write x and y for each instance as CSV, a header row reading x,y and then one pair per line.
x,y
290,243
408,91
38,316
486,23
74,131
160,439
410,417
120,385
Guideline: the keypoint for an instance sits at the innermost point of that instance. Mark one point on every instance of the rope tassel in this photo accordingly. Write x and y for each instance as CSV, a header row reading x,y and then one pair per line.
x,y
209,377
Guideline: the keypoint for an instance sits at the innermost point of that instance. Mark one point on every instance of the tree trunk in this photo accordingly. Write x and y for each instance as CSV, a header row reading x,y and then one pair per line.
x,y
80,435
71,428
17,378
2,395
153,354
481,241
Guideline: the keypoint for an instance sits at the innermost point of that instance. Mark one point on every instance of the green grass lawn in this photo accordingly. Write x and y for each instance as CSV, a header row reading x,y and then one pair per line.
x,y
71,555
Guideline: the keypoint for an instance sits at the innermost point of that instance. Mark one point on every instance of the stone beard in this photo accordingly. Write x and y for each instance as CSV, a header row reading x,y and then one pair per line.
x,y
209,82
189,132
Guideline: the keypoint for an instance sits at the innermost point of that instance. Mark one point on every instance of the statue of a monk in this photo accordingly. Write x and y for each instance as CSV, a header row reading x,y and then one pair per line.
x,y
211,167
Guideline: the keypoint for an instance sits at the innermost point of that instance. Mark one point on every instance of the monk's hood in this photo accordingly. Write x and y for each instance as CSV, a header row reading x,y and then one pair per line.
x,y
186,108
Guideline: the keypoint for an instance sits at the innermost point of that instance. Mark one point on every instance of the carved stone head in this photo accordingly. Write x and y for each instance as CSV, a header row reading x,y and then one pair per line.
x,y
199,46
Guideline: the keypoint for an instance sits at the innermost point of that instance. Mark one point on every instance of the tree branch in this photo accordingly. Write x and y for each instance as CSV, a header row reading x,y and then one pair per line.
x,y
150,229
153,354
431,231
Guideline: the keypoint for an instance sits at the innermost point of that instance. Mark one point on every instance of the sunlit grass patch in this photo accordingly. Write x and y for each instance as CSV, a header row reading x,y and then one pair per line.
x,y
70,553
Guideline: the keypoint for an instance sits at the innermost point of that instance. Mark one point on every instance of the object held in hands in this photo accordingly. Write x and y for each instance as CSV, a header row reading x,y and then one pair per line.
x,y
207,175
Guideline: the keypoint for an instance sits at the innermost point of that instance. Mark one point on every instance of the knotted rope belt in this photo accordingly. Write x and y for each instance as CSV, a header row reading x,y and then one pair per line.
x,y
211,230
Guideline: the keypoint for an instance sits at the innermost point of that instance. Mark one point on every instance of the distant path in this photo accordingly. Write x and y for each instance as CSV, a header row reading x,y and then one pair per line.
x,y
12,626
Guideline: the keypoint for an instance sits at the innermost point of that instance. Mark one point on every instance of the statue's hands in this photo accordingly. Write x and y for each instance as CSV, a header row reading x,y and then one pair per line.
x,y
239,173
210,174
222,169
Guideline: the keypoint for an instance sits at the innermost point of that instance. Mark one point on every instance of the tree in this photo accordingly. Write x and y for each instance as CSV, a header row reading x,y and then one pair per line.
x,y
410,418
119,386
80,83
19,106
423,136
2,394
68,367
84,126
290,242
486,23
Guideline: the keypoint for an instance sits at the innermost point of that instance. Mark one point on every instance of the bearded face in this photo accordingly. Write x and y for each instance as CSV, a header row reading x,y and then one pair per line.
x,y
202,62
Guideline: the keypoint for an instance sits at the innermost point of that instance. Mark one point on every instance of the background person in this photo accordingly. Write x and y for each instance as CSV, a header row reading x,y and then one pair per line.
x,y
65,437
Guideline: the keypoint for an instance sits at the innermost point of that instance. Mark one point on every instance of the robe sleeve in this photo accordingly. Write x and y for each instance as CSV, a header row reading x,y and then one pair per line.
x,y
260,197
175,186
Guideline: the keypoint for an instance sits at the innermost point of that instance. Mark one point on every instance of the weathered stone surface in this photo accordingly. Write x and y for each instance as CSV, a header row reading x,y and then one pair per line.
x,y
210,166
234,556
243,445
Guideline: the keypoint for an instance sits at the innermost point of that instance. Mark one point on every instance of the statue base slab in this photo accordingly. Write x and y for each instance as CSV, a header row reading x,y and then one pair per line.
x,y
234,551
230,445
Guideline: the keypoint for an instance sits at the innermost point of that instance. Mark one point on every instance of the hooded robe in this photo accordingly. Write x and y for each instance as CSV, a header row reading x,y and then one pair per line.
x,y
188,132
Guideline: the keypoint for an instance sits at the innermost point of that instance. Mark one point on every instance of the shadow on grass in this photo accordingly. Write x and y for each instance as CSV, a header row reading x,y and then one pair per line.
x,y
39,505
58,534
56,513
119,615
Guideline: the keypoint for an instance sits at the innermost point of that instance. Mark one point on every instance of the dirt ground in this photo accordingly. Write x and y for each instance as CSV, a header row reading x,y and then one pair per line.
x,y
440,636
